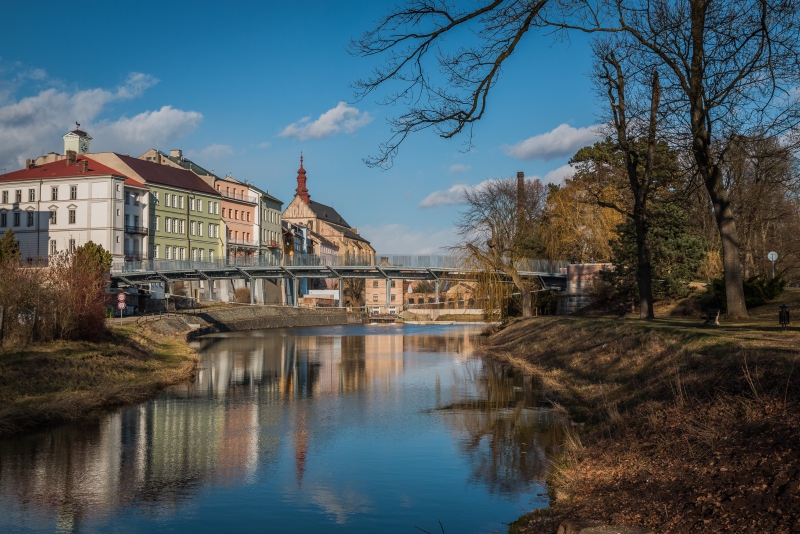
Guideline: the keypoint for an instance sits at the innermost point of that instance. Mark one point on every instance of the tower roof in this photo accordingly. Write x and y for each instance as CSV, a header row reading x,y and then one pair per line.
x,y
302,190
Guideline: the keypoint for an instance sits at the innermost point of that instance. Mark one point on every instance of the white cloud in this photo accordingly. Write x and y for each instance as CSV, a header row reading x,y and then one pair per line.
x,y
35,123
459,167
342,118
400,239
214,151
560,142
557,176
454,195
265,144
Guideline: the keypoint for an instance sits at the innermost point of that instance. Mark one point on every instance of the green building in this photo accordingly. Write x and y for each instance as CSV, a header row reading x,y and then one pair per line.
x,y
185,221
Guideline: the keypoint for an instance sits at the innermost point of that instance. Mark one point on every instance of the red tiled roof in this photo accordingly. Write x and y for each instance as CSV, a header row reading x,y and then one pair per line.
x,y
60,169
167,175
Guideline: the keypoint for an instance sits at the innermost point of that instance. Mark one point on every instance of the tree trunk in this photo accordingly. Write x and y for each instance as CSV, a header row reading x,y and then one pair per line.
x,y
644,269
527,301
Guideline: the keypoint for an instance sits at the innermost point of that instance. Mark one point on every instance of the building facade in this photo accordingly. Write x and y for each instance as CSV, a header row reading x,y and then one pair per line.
x,y
61,205
185,219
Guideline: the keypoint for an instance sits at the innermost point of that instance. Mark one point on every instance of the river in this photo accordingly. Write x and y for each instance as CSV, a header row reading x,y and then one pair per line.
x,y
358,429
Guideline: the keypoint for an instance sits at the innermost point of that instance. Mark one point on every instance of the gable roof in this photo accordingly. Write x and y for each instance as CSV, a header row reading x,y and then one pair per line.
x,y
327,214
323,239
188,164
61,169
152,172
348,233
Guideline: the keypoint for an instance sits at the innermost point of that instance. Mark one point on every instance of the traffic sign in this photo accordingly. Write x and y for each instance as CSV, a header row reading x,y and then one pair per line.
x,y
772,256
121,297
121,305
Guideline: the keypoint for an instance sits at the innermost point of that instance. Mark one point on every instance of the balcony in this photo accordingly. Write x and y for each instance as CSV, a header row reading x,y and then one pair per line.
x,y
272,244
239,196
134,255
135,230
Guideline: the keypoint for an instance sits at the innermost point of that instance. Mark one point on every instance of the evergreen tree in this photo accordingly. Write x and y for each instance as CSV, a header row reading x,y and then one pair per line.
x,y
9,248
95,255
677,250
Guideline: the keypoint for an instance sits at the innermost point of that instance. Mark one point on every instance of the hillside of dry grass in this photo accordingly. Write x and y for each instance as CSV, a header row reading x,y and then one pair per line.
x,y
68,380
688,428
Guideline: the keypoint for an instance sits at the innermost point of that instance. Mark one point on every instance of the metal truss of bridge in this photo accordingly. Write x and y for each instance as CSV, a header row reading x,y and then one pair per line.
x,y
389,266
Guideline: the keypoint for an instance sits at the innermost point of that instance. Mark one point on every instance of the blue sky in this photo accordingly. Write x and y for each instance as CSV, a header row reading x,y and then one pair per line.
x,y
231,84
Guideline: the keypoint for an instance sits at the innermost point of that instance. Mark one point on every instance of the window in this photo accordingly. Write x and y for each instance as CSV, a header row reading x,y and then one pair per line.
x,y
200,229
117,212
216,208
392,283
200,255
155,252
183,253
72,216
3,219
248,216
155,223
216,230
236,214
72,245
174,201
180,202
54,193
5,197
168,254
374,297
210,230
194,254
128,198
52,217
210,207
136,220
73,192
154,199
136,199
127,220
191,204
199,205
53,248
374,283
31,195
18,195
411,301
191,228
210,255
180,227
166,224
391,297
166,200
16,218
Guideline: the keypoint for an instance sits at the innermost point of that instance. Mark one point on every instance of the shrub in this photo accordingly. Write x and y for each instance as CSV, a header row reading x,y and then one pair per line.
x,y
757,290
242,295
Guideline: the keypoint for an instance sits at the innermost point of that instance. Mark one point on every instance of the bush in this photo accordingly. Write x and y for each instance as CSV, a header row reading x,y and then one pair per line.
x,y
757,290
242,295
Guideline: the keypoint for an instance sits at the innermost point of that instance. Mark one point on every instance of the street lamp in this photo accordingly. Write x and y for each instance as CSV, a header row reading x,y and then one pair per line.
x,y
772,256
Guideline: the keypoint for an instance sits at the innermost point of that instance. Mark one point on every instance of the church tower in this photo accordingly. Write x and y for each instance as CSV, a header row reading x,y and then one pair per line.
x,y
302,190
77,140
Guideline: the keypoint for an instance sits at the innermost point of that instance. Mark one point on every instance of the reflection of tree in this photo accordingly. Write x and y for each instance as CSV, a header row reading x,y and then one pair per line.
x,y
353,366
509,440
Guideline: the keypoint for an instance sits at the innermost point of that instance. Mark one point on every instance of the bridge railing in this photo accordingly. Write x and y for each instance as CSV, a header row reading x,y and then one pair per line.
x,y
406,261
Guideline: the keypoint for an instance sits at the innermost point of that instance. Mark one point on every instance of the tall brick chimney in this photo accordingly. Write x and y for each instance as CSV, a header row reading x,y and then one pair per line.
x,y
520,199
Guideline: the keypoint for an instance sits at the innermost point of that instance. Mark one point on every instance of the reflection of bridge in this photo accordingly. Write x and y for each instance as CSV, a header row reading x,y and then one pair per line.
x,y
294,268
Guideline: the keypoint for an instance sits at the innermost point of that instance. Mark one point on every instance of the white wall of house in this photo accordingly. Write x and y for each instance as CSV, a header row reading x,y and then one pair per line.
x,y
65,213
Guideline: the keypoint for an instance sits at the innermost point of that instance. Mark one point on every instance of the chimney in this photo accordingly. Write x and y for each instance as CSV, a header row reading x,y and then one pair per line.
x,y
29,164
72,157
176,153
520,199
85,165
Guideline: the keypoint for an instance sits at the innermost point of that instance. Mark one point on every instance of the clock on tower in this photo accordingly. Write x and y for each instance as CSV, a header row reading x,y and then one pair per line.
x,y
77,140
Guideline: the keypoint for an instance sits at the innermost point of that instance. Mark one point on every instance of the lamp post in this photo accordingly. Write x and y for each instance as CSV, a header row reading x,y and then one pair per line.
x,y
772,256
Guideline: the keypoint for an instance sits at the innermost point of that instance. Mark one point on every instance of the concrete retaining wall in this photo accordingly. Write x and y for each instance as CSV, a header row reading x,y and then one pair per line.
x,y
260,317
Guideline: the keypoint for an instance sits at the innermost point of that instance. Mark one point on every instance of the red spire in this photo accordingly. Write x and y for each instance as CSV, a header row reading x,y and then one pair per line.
x,y
302,190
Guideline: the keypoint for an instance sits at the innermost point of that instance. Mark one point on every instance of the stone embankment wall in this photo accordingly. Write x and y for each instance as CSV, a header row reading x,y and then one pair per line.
x,y
212,321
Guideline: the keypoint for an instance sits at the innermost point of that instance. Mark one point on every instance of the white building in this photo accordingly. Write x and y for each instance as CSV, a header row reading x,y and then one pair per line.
x,y
61,205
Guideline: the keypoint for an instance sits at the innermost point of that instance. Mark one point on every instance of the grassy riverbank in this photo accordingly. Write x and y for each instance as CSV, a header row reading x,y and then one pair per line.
x,y
688,428
68,380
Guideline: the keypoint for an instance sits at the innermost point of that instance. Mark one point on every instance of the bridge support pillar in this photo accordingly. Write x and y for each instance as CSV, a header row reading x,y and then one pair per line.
x,y
251,283
388,293
436,290
296,296
210,283
341,292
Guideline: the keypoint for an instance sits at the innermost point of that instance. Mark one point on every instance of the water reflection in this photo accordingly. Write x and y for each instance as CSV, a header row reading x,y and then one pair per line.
x,y
340,426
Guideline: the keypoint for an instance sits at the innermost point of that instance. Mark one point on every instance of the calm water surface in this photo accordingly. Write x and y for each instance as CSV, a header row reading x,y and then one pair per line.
x,y
335,429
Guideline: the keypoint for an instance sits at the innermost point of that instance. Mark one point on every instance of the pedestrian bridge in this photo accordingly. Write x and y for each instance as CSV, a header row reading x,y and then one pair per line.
x,y
295,267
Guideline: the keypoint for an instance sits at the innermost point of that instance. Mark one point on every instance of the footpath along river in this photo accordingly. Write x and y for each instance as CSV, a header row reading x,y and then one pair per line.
x,y
357,429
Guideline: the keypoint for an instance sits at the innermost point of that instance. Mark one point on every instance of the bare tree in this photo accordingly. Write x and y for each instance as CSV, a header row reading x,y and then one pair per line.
x,y
498,224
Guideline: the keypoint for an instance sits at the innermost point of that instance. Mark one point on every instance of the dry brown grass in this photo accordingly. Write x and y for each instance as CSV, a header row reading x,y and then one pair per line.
x,y
679,418
68,380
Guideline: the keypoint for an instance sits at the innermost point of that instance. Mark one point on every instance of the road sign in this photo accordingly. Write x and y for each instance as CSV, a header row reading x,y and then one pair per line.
x,y
121,297
772,256
121,305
